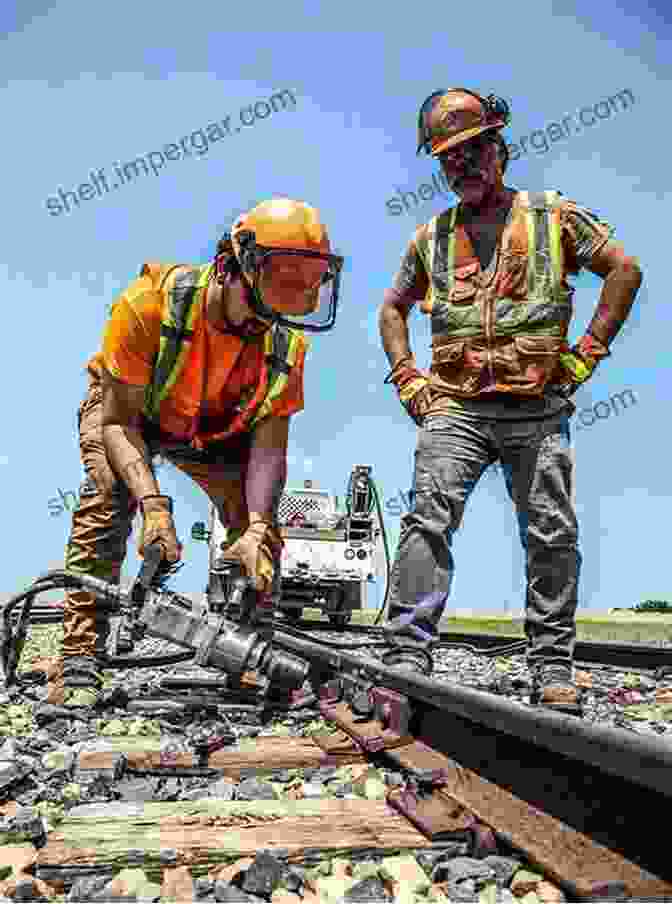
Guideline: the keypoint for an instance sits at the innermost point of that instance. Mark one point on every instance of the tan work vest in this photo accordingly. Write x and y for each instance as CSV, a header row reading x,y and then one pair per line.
x,y
500,331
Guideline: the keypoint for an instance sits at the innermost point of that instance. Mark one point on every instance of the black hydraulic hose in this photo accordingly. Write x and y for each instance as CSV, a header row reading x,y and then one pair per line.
x,y
388,569
11,645
55,580
437,644
383,605
377,506
381,610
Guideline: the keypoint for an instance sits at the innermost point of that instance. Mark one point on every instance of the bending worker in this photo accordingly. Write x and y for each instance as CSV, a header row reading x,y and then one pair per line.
x,y
492,274
204,365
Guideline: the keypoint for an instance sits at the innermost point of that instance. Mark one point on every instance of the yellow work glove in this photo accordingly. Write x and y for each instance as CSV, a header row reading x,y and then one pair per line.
x,y
413,388
581,360
157,524
254,550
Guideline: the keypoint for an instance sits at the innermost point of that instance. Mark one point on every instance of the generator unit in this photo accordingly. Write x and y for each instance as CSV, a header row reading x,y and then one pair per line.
x,y
329,557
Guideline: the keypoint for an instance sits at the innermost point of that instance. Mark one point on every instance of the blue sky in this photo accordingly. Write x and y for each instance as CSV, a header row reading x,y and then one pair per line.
x,y
85,91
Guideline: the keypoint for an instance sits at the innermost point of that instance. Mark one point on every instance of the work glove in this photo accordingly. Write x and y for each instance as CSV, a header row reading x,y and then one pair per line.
x,y
157,524
581,360
413,388
256,550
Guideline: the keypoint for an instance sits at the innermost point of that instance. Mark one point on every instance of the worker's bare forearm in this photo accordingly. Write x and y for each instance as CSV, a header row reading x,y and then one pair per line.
x,y
393,325
617,297
267,470
265,484
128,454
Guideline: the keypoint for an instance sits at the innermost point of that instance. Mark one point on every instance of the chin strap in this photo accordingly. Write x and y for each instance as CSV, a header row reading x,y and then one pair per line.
x,y
259,307
238,330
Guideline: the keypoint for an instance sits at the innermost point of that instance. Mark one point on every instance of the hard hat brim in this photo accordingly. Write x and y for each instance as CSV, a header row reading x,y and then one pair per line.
x,y
464,136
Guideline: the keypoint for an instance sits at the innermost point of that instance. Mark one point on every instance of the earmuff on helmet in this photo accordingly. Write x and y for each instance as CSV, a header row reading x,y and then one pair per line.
x,y
289,231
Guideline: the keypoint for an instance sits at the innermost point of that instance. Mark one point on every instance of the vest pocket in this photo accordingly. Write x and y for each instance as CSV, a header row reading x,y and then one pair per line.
x,y
449,368
537,359
537,345
511,280
449,354
464,286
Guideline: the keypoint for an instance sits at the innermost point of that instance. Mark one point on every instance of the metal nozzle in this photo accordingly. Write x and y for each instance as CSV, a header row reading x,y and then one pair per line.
x,y
239,648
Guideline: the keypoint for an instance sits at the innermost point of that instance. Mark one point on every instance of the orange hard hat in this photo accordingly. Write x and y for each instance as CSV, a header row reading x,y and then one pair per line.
x,y
449,117
284,252
283,223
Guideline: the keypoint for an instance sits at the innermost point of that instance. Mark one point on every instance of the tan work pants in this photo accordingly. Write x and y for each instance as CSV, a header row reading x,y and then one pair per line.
x,y
101,525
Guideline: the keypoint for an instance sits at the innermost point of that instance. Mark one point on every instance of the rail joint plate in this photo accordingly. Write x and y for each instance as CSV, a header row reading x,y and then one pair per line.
x,y
437,816
371,734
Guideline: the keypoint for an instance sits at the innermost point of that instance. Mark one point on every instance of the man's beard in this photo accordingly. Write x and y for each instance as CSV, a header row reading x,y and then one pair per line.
x,y
475,175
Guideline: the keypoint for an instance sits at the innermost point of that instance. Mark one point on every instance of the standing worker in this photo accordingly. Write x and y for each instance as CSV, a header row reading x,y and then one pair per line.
x,y
492,274
204,365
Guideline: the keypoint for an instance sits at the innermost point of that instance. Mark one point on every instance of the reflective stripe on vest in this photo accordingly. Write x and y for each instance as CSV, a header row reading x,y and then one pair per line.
x,y
281,347
544,245
544,269
179,314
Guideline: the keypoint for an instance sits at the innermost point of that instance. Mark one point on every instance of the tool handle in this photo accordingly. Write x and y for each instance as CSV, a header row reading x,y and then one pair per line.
x,y
153,560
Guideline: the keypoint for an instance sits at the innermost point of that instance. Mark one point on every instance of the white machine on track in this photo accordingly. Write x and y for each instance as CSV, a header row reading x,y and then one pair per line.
x,y
329,558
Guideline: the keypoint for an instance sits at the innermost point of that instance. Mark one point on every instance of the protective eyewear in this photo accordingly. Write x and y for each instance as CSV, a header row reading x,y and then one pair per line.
x,y
258,260
466,152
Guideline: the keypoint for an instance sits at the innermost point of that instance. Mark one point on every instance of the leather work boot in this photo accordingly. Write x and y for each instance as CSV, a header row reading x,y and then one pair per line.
x,y
553,688
53,667
417,623
82,681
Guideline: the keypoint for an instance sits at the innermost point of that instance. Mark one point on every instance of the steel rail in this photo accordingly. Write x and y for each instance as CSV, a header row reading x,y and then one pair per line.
x,y
644,760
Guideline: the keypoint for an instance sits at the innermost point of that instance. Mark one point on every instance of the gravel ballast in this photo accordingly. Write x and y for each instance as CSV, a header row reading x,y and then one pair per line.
x,y
39,786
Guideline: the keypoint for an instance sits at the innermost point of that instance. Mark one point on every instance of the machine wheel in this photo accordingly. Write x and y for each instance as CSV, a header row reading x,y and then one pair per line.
x,y
340,619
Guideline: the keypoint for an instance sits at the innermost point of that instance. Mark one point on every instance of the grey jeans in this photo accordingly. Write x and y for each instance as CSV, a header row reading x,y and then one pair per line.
x,y
451,455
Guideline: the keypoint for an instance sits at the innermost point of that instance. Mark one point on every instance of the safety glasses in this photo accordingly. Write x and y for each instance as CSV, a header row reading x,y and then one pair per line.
x,y
465,152
319,295
255,259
